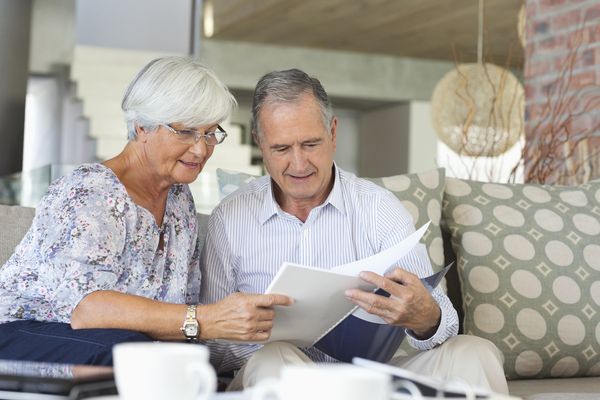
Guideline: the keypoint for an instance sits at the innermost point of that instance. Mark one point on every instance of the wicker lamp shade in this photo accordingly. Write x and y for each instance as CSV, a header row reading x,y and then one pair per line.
x,y
478,109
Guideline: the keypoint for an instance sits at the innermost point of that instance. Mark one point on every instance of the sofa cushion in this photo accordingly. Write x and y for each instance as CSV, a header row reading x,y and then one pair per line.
x,y
529,265
555,389
16,221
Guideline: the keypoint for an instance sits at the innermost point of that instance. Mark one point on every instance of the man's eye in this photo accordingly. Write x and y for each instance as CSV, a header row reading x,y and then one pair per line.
x,y
187,132
280,149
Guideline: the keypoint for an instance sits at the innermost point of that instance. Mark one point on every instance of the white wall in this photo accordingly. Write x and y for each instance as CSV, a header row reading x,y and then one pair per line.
x,y
346,153
52,34
383,141
422,140
42,124
155,25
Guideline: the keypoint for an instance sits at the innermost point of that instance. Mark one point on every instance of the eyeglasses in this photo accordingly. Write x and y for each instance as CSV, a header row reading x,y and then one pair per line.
x,y
190,136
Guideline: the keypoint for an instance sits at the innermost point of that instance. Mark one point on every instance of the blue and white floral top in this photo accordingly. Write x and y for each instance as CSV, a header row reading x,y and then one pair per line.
x,y
89,235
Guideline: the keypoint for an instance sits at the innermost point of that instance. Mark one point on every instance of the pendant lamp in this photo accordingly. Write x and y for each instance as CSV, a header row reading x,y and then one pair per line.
x,y
478,108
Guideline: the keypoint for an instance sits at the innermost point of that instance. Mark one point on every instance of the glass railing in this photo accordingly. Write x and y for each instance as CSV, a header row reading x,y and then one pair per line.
x,y
26,188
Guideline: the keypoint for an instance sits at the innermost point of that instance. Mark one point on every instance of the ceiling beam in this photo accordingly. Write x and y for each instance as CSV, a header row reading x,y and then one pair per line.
x,y
344,74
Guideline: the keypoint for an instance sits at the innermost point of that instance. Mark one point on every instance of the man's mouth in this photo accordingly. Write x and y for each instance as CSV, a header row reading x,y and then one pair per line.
x,y
301,177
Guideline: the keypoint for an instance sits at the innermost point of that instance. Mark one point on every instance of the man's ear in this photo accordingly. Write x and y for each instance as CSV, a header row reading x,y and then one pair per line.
x,y
256,138
333,131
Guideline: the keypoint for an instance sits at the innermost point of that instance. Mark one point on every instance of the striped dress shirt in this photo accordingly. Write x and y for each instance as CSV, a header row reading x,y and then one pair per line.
x,y
249,237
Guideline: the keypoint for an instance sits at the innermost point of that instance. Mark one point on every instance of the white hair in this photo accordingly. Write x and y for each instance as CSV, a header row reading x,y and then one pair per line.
x,y
175,90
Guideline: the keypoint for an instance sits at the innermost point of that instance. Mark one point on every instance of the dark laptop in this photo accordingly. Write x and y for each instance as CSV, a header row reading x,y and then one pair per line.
x,y
48,381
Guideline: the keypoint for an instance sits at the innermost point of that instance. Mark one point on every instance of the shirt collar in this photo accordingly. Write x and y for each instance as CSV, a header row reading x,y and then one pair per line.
x,y
270,207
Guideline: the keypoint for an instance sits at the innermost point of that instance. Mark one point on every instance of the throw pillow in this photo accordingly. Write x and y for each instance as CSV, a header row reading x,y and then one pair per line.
x,y
230,181
421,194
529,264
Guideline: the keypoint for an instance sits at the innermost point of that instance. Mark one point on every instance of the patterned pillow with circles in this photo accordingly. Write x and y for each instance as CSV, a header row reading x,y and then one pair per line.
x,y
529,264
421,194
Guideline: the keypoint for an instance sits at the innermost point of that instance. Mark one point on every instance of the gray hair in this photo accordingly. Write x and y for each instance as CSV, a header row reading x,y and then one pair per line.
x,y
287,87
175,89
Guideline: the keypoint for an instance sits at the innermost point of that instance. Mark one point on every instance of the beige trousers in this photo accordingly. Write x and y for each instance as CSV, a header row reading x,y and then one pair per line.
x,y
471,359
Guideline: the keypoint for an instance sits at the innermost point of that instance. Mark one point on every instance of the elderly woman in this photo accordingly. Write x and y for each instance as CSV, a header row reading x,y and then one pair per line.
x,y
113,254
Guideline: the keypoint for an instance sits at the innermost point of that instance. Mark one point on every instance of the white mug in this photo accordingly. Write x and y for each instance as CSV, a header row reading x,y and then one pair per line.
x,y
325,382
159,371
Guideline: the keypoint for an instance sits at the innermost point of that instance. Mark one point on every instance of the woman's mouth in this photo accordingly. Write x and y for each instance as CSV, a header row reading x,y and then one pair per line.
x,y
191,165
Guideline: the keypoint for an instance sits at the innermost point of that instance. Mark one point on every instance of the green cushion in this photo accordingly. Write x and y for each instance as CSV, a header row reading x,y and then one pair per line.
x,y
421,194
529,265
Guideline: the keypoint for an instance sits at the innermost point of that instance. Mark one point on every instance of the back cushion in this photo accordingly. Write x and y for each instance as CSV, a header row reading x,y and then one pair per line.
x,y
529,264
202,226
14,223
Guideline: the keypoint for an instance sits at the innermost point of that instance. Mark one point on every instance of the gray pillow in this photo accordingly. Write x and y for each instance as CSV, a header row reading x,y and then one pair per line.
x,y
529,265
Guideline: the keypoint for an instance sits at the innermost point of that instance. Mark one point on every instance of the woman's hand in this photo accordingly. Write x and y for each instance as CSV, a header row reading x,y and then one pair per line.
x,y
240,316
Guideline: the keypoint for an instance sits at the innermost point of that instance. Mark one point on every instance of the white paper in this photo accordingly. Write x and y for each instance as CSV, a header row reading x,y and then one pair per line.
x,y
320,303
380,262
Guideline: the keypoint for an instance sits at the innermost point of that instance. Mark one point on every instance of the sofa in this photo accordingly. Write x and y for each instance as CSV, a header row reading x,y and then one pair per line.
x,y
526,273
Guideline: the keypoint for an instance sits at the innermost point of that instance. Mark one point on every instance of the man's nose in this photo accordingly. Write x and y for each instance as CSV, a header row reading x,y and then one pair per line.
x,y
299,160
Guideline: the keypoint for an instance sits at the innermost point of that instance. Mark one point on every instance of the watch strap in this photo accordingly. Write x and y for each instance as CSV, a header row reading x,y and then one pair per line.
x,y
191,321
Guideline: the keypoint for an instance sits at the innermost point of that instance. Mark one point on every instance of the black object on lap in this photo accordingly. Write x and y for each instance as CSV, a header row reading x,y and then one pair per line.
x,y
39,380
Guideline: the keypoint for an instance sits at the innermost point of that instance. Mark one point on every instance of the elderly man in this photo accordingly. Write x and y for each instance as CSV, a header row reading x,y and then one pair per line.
x,y
311,212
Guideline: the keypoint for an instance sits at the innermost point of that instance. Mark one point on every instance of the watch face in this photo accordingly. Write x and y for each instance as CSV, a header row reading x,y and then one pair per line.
x,y
190,330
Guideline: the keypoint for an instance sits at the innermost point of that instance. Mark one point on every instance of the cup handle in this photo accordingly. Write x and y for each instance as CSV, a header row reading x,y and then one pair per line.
x,y
266,389
413,390
208,379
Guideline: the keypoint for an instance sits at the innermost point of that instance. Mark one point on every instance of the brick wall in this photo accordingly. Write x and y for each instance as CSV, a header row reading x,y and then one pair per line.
x,y
562,88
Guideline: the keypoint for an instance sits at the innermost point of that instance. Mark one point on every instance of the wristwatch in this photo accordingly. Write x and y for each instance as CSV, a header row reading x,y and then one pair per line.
x,y
191,327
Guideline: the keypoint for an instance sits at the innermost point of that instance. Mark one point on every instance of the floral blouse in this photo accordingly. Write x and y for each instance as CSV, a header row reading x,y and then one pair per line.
x,y
89,235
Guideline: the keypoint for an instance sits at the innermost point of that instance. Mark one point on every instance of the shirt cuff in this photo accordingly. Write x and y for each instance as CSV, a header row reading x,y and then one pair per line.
x,y
439,337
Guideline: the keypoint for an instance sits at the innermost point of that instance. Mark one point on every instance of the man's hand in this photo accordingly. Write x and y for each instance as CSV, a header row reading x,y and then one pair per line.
x,y
240,316
410,304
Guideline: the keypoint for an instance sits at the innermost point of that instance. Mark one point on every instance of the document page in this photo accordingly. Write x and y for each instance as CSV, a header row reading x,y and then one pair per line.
x,y
320,303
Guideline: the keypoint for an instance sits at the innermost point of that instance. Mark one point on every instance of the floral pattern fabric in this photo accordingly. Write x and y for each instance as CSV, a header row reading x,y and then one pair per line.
x,y
89,235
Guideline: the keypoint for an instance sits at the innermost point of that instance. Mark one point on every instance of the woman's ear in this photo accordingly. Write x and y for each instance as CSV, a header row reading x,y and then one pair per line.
x,y
141,133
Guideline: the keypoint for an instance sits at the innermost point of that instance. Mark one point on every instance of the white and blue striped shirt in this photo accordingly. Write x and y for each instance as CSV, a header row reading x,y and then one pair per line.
x,y
249,237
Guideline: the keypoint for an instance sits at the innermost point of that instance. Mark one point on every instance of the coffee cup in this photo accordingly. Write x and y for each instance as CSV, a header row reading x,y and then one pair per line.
x,y
158,371
325,382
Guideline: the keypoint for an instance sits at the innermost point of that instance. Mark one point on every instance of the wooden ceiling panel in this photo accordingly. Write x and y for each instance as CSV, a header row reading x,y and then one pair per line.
x,y
434,29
